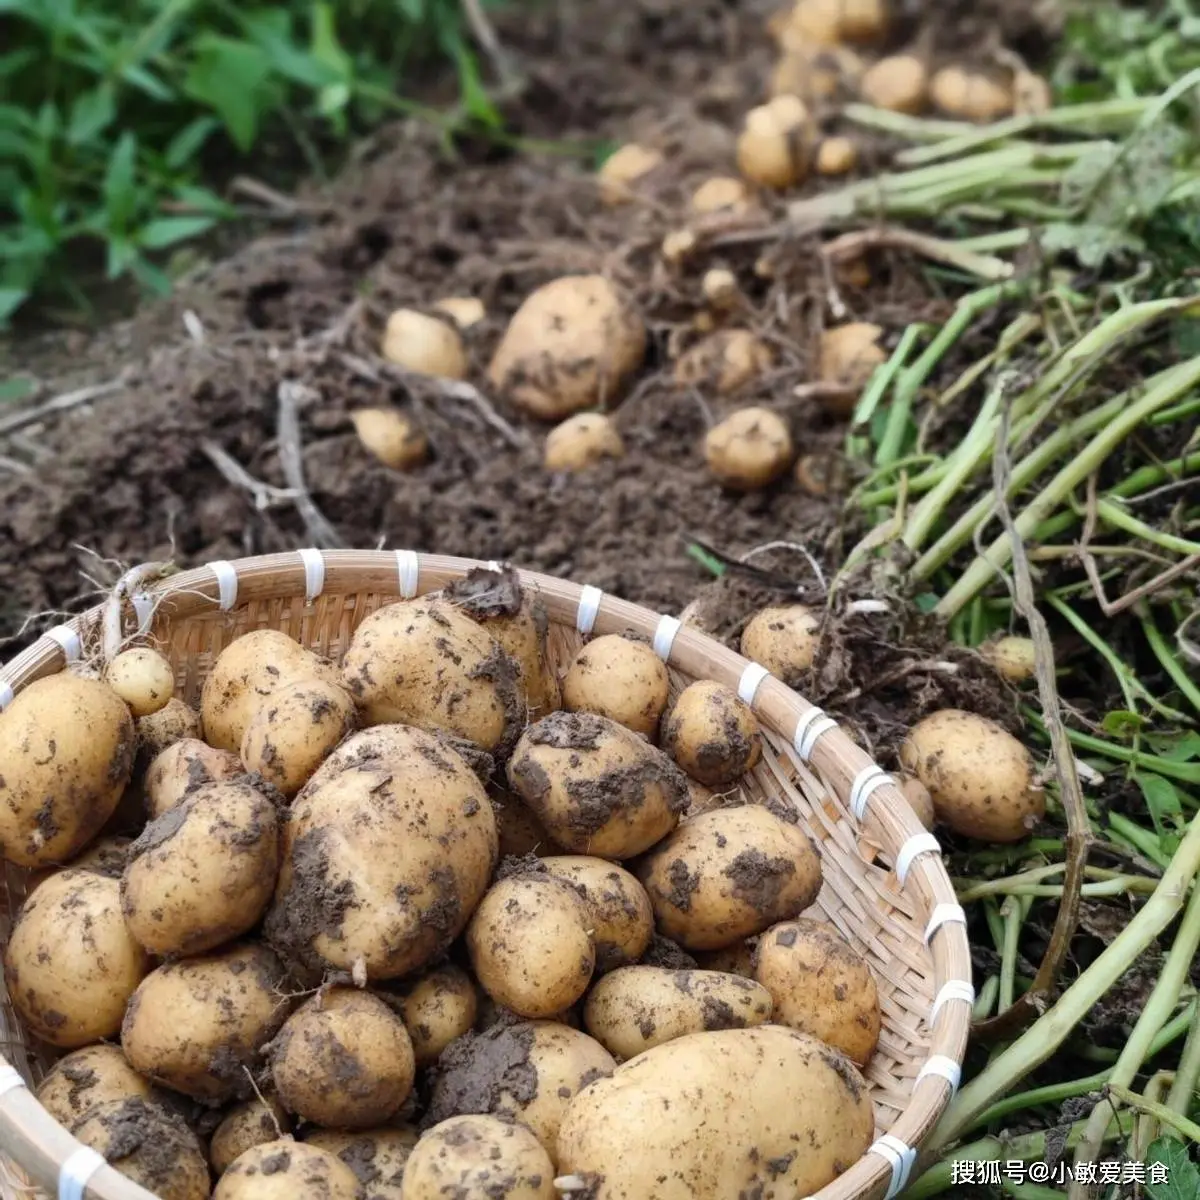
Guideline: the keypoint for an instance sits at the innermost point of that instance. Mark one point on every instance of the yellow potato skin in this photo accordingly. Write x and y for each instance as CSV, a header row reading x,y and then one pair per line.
x,y
84,1079
182,766
712,734
287,1170
438,1007
143,678
767,1112
250,1123
784,639
377,1156
620,679
620,915
172,723
478,1156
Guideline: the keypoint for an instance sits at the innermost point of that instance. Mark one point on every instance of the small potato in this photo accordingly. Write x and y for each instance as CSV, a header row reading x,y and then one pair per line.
x,y
143,678
172,723
720,290
774,146
623,169
525,1072
635,1008
678,246
597,787
712,734
1032,95
531,945
181,768
105,856
980,777
726,875
898,83
1013,657
287,1170
203,873
817,22
749,450
918,797
863,20
836,156
149,1145
344,1060
71,965
820,986
87,1078
425,345
437,1008
620,679
784,639
722,194
619,912
426,663
66,753
377,1156
251,1123
465,311
970,95
520,832
727,361
850,354
582,441
765,1112
573,344
815,74
295,731
391,437
198,1025
478,1158
250,669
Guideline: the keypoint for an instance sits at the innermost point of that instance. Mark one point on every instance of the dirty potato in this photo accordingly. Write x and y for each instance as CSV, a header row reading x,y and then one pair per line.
x,y
478,1158
87,1078
250,1123
105,856
287,1170
750,449
436,1008
618,678
712,733
143,678
784,639
619,912
737,959
582,441
727,360
183,766
520,832
172,723
377,1156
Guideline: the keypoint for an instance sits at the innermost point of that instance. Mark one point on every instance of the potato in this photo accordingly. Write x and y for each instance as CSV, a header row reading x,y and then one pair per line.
x,y
618,678
784,639
597,787
149,1145
391,437
70,964
749,450
66,747
525,1072
465,311
172,723
426,663
251,1123
850,354
727,361
623,169
478,1158
918,797
250,669
898,83
817,22
820,986
635,1008
619,912
722,194
425,345
1013,657
438,1007
376,1156
520,832
737,959
105,856
774,145
720,290
203,873
836,156
765,1112
980,777
712,733
198,1025
970,95
287,1170
1032,95
573,344
530,945
582,441
728,874
428,832
143,678
87,1078
181,768
344,1060
678,246
517,621
814,73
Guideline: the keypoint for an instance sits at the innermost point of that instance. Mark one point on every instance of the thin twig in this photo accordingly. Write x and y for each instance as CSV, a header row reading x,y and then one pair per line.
x,y
265,495
506,75
291,396
850,246
63,403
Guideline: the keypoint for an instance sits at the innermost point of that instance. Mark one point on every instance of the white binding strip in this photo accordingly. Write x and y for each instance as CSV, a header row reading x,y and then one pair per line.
x,y
227,583
918,844
589,607
953,989
664,636
493,565
809,730
10,1079
943,914
314,573
67,641
900,1158
865,783
945,1068
74,1174
408,572
750,682
143,605
7,694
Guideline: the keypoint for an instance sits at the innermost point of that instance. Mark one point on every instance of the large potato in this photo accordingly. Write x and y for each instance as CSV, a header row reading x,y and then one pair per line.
x,y
597,787
425,663
712,734
573,344
820,986
635,1008
618,678
620,915
250,669
767,1112
183,766
71,964
725,875
382,867
525,1072
377,1156
202,873
251,1123
86,1078
478,1158
66,753
105,856
287,1170
198,1025
438,1007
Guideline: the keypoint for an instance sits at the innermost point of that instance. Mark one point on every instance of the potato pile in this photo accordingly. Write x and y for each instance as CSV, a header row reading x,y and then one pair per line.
x,y
436,915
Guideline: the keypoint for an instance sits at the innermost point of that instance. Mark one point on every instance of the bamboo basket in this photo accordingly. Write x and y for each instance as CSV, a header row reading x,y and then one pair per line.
x,y
885,886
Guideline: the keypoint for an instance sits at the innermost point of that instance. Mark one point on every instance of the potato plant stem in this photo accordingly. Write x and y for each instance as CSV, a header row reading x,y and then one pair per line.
x,y
1010,911
1170,664
1114,514
1187,1074
1168,1116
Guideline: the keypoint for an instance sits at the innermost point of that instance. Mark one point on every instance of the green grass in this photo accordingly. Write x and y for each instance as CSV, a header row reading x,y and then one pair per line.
x,y
115,117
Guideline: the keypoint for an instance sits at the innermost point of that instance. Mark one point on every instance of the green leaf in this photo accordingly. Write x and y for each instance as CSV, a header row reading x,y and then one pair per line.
x,y
412,10
150,277
15,389
926,602
169,231
229,76
1122,722
325,47
186,144
10,300
92,113
1182,1179
1161,799
120,183
205,201
271,31
121,255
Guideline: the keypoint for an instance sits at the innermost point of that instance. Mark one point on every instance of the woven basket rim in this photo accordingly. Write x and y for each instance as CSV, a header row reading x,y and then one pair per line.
x,y
56,1161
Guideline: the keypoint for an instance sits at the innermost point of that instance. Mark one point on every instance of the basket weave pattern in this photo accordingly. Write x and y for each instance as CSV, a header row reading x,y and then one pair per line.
x,y
885,887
